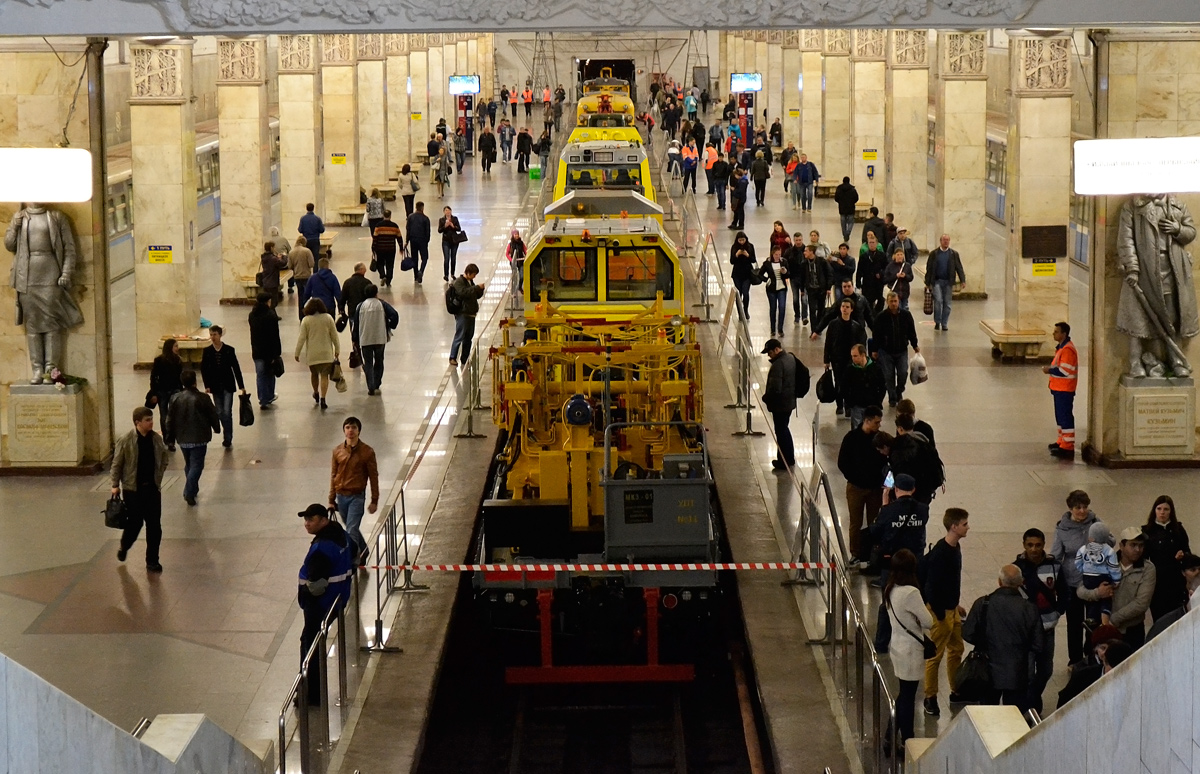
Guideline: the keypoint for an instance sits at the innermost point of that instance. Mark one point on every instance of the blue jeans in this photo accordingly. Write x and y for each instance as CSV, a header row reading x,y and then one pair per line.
x,y
351,507
777,303
895,374
449,258
420,253
543,162
806,195
721,189
193,466
224,401
506,149
743,289
799,297
847,226
942,291
464,331
265,378
796,193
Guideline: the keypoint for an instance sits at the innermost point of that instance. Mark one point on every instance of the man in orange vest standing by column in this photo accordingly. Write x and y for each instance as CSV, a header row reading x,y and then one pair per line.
x,y
1064,378
527,98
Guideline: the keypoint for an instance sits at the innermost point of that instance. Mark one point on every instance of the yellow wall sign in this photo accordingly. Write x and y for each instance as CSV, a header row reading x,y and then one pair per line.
x,y
793,112
160,254
337,158
870,154
415,116
1045,267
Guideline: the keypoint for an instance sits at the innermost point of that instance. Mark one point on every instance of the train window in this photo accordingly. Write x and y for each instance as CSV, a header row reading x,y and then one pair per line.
x,y
615,176
121,213
638,273
565,273
997,169
204,176
216,170
932,139
112,216
609,120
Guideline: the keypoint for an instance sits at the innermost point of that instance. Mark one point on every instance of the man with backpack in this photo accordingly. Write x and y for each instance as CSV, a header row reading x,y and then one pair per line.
x,y
462,301
912,453
787,380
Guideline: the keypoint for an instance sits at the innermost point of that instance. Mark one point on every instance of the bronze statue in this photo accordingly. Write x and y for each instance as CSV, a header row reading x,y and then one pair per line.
x,y
1157,306
44,245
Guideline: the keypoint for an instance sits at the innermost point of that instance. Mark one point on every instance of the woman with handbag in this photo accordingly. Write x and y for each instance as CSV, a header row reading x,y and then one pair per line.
x,y
452,236
164,383
265,348
910,620
407,186
319,336
442,169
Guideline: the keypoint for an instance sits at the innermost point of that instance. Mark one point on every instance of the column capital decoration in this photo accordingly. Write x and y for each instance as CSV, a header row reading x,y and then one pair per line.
x,y
869,45
836,43
370,46
416,41
812,40
161,75
298,54
1041,66
338,49
964,56
775,37
395,44
433,39
908,49
791,38
760,36
240,61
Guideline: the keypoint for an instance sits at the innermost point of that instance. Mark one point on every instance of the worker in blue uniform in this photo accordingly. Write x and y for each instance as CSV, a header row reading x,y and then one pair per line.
x,y
324,584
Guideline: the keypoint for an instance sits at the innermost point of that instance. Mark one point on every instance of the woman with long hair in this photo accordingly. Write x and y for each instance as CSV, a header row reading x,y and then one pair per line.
x,y
318,335
442,168
910,620
1166,543
741,257
164,383
374,209
407,186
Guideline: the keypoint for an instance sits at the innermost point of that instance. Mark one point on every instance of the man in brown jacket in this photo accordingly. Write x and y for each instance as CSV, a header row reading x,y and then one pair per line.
x,y
352,468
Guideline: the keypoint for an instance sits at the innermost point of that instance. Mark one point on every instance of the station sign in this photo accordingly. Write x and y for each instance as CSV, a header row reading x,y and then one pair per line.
x,y
1045,267
160,254
338,159
870,154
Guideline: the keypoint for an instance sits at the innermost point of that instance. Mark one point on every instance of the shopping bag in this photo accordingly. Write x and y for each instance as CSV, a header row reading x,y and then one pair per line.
x,y
114,513
245,410
336,376
826,391
917,371
928,307
365,221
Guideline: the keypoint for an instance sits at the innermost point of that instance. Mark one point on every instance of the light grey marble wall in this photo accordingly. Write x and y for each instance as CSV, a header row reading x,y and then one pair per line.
x,y
1141,718
45,731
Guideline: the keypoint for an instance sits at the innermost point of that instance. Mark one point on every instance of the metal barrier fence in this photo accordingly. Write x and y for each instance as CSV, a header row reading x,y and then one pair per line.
x,y
314,752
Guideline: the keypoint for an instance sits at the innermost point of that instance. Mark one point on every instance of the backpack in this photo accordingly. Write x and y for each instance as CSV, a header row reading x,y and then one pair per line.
x,y
801,378
454,304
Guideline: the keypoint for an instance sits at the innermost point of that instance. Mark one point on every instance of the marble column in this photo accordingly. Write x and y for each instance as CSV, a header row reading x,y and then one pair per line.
x,y
907,130
399,149
418,96
790,104
725,65
162,126
450,67
475,65
836,106
35,88
245,160
812,97
301,171
739,53
961,147
1038,187
339,106
1149,86
435,83
487,67
762,65
372,112
773,83
868,79
462,64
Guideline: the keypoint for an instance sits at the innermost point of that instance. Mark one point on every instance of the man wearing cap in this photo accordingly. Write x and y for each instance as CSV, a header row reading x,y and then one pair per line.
x,y
780,398
1131,598
902,242
901,523
324,585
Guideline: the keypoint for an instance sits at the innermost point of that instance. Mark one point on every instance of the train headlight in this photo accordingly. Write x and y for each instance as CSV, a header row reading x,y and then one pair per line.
x,y
686,596
510,597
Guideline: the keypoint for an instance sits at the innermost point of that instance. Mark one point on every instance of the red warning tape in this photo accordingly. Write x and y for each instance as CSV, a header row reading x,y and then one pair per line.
x,y
603,567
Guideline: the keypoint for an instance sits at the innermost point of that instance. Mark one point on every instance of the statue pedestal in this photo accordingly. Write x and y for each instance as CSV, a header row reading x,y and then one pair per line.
x,y
1158,418
45,425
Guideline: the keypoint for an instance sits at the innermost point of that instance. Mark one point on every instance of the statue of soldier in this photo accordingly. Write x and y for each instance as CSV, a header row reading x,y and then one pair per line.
x,y
44,245
1158,299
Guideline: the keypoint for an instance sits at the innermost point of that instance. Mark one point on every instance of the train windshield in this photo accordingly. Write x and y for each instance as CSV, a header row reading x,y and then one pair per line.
x,y
639,273
565,273
616,176
609,120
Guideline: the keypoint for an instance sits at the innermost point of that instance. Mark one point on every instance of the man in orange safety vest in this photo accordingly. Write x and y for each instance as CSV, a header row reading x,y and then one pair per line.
x,y
1064,377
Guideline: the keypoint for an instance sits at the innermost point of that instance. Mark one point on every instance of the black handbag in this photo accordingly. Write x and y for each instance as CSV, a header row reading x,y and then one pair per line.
x,y
408,263
826,391
355,359
973,680
929,646
460,236
114,513
151,399
258,279
374,264
277,366
245,410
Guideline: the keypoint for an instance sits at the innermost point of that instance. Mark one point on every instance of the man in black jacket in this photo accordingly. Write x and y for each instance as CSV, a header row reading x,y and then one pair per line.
x,y
894,331
862,384
872,263
941,587
861,314
418,230
222,378
814,281
264,348
844,333
876,226
862,465
912,453
901,524
354,290
1007,626
1046,587
794,258
195,419
846,197
780,397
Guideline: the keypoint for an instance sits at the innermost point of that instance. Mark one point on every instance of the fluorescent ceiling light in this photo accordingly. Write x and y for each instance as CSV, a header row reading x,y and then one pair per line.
x,y
47,175
1137,165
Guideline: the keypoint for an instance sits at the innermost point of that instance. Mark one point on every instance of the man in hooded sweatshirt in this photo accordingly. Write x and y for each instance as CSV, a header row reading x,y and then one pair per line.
x,y
323,285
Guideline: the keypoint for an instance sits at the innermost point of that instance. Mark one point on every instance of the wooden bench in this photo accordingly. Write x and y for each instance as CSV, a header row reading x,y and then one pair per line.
x,y
1010,343
387,190
191,346
351,216
825,190
422,159
862,211
251,287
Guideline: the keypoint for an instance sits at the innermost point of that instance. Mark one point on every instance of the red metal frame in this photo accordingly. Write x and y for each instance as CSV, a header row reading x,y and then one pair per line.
x,y
548,673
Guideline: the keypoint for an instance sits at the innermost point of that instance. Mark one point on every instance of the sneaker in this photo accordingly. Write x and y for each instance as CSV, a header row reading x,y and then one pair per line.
x,y
154,567
931,707
121,554
453,362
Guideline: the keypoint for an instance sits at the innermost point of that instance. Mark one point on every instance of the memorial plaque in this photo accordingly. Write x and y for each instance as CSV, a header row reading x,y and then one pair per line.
x,y
41,421
1156,418
45,425
1161,420
1043,241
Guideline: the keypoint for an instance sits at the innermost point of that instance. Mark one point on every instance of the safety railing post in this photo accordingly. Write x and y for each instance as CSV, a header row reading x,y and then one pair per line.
x,y
747,389
859,649
321,659
343,675
408,573
303,726
471,400
876,727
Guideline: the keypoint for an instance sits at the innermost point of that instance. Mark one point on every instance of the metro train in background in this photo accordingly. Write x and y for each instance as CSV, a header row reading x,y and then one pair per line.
x,y
122,253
